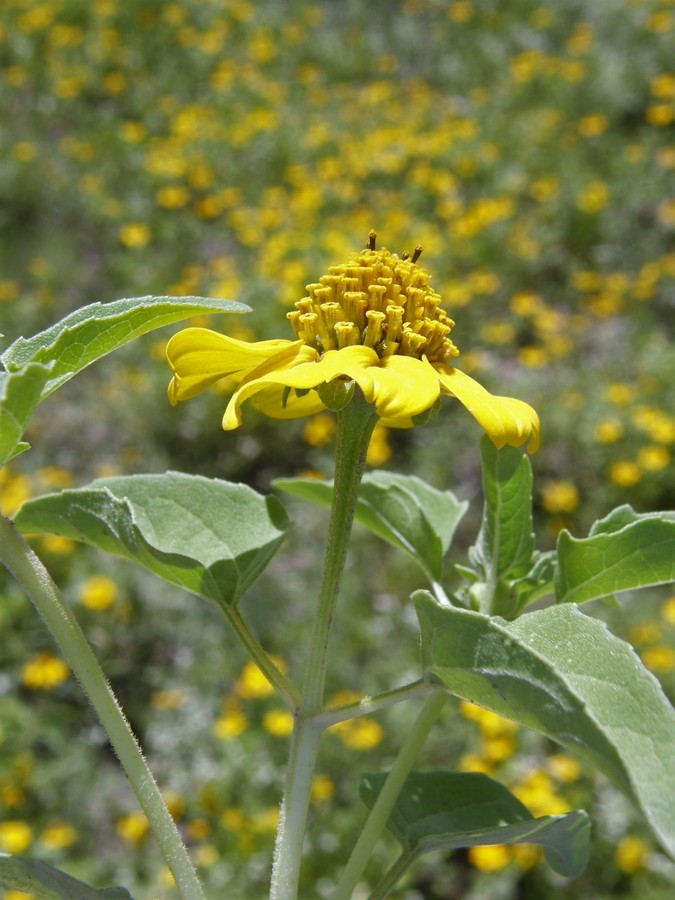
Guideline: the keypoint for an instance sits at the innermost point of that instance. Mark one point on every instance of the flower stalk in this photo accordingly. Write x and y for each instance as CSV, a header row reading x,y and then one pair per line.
x,y
356,421
29,572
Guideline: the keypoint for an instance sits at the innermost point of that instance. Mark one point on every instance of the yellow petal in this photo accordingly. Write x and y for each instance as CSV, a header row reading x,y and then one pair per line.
x,y
401,387
278,403
199,357
505,419
350,362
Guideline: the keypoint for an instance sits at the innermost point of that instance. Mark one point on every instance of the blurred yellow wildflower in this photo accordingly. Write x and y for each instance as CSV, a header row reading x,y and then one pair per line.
x,y
668,610
133,827
359,734
491,858
230,724
625,473
564,767
594,197
58,835
16,836
608,431
98,592
631,854
136,234
252,684
44,672
660,658
278,722
379,449
323,788
374,321
560,497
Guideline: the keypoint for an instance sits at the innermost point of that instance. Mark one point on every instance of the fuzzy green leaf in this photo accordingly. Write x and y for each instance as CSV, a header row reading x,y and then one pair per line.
x,y
17,873
96,330
505,542
401,509
565,675
208,536
20,393
625,550
448,810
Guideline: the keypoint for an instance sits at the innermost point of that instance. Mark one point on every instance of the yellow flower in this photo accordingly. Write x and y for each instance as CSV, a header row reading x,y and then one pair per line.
x,y
16,836
374,321
44,672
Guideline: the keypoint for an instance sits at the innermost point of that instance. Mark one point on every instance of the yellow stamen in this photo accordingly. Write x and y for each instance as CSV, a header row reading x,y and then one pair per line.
x,y
347,334
373,334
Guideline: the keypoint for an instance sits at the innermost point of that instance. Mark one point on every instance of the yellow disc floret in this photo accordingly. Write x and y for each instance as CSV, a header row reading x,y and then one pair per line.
x,y
379,300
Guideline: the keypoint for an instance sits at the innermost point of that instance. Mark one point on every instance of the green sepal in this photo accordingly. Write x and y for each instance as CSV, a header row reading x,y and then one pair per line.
x,y
336,394
209,536
449,810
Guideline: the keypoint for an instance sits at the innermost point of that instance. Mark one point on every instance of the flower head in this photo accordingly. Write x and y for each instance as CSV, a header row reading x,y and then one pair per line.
x,y
374,321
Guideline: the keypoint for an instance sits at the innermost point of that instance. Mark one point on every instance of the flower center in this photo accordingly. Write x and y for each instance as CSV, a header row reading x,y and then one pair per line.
x,y
377,299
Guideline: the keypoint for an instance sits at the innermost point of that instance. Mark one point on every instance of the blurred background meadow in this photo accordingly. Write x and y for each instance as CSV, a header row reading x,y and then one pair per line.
x,y
236,149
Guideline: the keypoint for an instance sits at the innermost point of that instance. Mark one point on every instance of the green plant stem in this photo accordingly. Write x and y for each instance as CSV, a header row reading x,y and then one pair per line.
x,y
368,705
377,818
392,875
354,427
261,658
30,573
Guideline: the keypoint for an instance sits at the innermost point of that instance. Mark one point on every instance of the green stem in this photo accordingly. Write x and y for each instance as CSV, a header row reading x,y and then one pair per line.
x,y
261,658
393,875
354,428
377,818
368,705
24,565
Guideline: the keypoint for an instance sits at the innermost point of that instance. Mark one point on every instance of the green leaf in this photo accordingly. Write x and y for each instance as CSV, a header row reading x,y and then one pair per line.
x,y
626,550
19,395
565,675
208,536
17,873
505,542
95,330
401,509
448,810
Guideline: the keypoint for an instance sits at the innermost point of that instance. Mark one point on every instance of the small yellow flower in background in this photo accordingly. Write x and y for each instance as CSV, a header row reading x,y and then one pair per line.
x,y
136,234
323,788
631,854
625,473
278,722
559,497
592,126
359,734
668,610
133,828
44,672
168,699
98,592
379,449
526,855
472,762
265,821
594,197
16,836
659,659
538,792
654,458
252,684
564,767
230,724
491,858
58,835
15,489
320,430
374,321
608,431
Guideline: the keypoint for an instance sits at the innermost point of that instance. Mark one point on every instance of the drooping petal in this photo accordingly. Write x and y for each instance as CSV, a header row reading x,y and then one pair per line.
x,y
284,403
350,362
401,387
505,419
199,357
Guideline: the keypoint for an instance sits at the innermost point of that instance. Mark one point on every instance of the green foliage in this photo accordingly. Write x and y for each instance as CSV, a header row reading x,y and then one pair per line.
x,y
96,330
625,550
20,393
33,877
208,536
402,509
565,675
448,810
